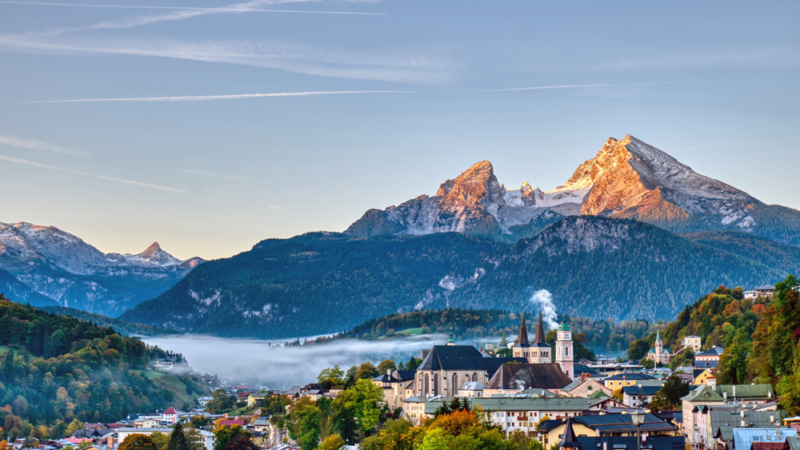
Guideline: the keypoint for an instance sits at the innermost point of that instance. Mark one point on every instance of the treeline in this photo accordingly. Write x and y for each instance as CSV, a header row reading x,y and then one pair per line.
x,y
468,324
54,369
760,337
122,327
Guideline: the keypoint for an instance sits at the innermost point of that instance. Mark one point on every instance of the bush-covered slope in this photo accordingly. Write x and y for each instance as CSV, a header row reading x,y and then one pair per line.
x,y
54,369
314,283
608,268
774,254
122,327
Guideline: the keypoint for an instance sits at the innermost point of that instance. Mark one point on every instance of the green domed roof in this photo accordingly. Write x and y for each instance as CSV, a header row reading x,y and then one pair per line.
x,y
564,326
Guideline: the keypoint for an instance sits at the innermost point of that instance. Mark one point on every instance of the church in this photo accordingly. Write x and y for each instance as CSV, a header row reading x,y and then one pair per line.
x,y
658,354
539,352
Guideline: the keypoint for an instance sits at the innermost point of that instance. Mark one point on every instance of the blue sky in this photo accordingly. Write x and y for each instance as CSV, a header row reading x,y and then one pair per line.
x,y
414,93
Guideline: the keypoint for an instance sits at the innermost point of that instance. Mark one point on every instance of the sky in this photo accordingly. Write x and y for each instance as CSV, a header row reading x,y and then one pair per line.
x,y
210,125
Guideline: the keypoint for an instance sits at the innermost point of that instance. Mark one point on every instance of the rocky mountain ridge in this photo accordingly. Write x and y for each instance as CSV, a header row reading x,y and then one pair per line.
x,y
64,268
627,178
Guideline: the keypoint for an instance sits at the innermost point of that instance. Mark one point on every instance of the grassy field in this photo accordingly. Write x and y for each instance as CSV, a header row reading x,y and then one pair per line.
x,y
172,384
410,331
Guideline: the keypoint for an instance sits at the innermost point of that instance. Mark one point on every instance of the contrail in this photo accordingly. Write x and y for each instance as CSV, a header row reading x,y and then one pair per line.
x,y
191,8
201,98
102,177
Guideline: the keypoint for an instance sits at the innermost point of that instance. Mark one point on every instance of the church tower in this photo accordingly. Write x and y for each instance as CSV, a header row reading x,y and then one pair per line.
x,y
564,350
540,351
522,347
659,347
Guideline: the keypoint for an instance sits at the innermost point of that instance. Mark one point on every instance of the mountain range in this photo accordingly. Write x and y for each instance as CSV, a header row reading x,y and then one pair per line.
x,y
50,267
626,179
634,233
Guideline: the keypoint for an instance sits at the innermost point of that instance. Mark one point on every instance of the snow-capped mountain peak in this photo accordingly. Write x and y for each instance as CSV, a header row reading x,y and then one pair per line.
x,y
153,255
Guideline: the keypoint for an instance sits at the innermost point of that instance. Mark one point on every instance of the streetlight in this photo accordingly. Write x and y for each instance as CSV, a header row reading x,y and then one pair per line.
x,y
637,417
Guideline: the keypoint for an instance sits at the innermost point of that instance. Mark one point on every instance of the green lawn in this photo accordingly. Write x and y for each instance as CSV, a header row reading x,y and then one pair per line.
x,y
172,384
410,331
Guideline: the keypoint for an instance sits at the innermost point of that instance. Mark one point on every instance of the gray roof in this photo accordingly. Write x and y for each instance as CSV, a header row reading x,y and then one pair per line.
x,y
472,386
794,442
641,390
713,351
724,419
629,377
743,438
462,357
544,376
531,404
629,443
746,391
614,423
703,394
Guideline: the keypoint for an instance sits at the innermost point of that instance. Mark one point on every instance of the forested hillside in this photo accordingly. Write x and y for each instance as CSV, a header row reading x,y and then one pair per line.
x,y
54,369
761,337
120,326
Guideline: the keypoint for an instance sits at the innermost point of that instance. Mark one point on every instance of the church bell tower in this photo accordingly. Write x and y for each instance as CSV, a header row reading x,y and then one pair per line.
x,y
564,350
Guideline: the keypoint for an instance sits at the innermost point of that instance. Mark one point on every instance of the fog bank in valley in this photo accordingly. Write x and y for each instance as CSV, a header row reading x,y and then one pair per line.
x,y
276,366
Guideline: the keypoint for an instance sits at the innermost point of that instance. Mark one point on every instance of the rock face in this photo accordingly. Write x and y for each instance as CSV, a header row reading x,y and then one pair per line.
x,y
628,178
61,266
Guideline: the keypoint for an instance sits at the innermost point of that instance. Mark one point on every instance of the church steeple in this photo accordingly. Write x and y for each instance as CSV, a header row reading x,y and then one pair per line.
x,y
540,330
523,331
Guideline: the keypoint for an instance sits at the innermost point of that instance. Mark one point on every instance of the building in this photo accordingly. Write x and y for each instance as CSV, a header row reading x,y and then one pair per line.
x,y
537,352
394,385
471,389
254,400
122,433
723,420
746,393
414,409
629,443
744,438
694,421
624,379
584,387
658,354
564,351
446,367
523,413
693,342
147,422
261,424
764,291
169,416
515,378
709,358
163,365
605,425
702,376
638,396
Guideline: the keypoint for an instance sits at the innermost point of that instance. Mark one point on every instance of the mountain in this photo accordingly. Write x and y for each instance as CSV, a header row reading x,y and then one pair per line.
x,y
627,178
327,282
120,326
12,287
774,254
317,282
61,266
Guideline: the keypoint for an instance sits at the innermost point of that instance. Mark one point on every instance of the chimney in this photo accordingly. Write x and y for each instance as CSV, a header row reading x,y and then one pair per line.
x,y
734,392
389,372
226,415
110,442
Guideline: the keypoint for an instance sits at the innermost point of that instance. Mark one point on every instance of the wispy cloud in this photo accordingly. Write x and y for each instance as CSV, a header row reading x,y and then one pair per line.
x,y
193,8
200,98
33,144
418,65
220,176
102,177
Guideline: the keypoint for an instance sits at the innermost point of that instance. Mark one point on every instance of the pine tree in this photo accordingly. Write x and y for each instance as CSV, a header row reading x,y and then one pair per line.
x,y
177,440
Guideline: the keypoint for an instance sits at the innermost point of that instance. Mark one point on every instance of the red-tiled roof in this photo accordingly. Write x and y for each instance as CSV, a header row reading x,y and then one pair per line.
x,y
231,422
170,411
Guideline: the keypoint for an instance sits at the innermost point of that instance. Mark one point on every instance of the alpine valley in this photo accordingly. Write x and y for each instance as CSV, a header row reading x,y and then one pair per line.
x,y
633,233
45,266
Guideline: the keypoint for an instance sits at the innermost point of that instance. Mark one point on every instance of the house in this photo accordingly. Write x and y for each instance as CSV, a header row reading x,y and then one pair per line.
x,y
523,413
584,387
629,443
169,416
638,396
203,401
701,376
122,433
711,355
147,422
514,378
471,389
621,425
394,385
414,409
693,342
764,291
743,438
624,379
724,419
603,403
694,419
261,424
254,400
746,393
447,367
232,423
163,365
93,434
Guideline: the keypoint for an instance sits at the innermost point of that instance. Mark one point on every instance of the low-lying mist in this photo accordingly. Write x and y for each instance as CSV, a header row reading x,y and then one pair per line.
x,y
271,364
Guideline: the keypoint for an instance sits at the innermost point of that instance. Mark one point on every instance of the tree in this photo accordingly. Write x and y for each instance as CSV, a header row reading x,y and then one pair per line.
x,y
138,442
669,397
161,440
385,365
332,376
195,439
648,363
305,423
178,440
332,442
435,439
363,400
413,363
233,438
74,426
638,349
366,371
